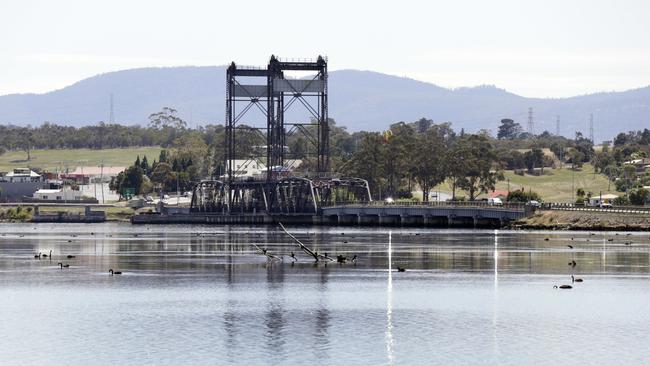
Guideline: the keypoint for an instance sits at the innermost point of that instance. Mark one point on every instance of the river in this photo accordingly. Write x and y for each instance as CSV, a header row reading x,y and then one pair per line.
x,y
206,295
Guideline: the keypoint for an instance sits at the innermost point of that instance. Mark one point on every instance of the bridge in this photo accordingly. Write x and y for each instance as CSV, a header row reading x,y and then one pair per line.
x,y
466,214
432,214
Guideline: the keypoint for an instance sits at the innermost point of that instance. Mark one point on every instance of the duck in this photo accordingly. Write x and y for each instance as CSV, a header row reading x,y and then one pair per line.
x,y
546,239
114,272
69,256
354,259
63,265
563,286
573,279
37,255
401,269
572,263
570,246
610,239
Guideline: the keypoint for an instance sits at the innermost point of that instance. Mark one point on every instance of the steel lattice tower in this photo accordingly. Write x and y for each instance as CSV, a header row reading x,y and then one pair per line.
x,y
273,98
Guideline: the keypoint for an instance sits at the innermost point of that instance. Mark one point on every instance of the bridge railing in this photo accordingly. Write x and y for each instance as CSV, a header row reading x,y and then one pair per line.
x,y
460,204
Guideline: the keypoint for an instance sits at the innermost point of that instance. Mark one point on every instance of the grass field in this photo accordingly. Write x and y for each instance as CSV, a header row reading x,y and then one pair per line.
x,y
52,160
555,185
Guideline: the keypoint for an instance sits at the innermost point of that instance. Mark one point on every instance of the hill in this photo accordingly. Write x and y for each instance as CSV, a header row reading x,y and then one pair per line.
x,y
360,100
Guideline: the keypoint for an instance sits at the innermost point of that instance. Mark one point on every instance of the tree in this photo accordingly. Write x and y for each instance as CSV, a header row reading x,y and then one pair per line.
x,y
522,196
639,196
131,179
166,118
366,162
533,159
479,158
575,157
509,129
429,161
163,176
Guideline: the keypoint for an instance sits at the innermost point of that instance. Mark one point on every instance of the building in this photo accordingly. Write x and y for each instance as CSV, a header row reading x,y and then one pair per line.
x,y
499,193
93,174
640,165
19,183
58,195
598,200
21,175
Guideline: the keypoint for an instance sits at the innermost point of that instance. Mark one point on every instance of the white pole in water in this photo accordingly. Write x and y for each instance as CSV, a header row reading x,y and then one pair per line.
x,y
389,302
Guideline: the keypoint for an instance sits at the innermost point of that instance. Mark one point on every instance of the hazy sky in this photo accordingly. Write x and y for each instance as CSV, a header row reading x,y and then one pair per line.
x,y
546,48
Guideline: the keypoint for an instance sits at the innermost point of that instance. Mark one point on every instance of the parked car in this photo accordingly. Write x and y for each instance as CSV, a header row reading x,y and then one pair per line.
x,y
535,204
606,205
496,201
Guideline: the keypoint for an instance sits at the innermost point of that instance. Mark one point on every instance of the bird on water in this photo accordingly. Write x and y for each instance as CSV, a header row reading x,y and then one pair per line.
x,y
572,263
63,265
573,279
401,269
70,256
563,286
114,272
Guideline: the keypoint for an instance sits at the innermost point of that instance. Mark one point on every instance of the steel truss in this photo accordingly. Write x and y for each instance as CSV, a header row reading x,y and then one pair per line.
x,y
270,92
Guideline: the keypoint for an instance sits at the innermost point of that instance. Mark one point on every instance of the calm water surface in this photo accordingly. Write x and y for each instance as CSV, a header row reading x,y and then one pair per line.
x,y
204,295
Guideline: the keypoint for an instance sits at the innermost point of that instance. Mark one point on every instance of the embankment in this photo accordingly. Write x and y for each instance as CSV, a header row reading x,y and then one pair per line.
x,y
576,220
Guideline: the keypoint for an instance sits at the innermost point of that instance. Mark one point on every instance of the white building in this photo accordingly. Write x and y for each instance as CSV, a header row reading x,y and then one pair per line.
x,y
57,195
598,200
21,175
19,183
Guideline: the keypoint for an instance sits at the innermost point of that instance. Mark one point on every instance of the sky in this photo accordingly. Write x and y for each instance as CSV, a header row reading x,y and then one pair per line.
x,y
546,48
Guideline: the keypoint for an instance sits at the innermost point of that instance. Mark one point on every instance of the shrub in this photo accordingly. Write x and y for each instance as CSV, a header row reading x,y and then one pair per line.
x,y
523,196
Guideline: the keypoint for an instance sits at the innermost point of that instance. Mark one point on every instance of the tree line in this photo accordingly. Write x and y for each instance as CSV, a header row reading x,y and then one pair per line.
x,y
408,156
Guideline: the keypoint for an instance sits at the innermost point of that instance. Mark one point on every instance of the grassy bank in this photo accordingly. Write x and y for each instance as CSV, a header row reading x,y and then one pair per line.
x,y
71,158
556,185
24,213
577,220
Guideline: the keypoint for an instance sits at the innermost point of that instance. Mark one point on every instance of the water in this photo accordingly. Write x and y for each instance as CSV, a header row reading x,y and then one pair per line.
x,y
203,295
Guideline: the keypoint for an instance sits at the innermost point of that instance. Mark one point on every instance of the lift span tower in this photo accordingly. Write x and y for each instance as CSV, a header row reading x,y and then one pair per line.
x,y
270,91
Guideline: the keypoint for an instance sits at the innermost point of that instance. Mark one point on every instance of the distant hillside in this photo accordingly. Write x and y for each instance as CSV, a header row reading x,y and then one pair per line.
x,y
360,100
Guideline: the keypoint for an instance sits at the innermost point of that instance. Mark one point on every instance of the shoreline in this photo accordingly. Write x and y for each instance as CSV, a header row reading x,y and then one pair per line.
x,y
583,221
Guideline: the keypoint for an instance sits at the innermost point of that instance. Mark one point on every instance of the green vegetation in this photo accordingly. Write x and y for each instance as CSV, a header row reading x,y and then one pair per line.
x,y
53,160
16,213
399,162
559,185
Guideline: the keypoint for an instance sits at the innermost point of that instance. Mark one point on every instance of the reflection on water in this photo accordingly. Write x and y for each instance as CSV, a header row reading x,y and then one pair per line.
x,y
205,295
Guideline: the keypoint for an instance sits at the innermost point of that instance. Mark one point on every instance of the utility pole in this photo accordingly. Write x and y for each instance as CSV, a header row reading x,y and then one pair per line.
x,y
101,179
531,123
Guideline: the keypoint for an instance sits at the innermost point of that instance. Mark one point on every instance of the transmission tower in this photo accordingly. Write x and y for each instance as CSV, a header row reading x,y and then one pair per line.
x,y
111,115
591,128
531,123
557,126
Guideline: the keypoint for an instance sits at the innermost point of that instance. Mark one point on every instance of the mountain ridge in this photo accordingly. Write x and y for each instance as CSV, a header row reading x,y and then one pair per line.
x,y
359,100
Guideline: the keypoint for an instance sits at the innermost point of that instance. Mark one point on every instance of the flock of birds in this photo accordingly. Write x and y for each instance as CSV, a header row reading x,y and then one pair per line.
x,y
48,255
573,263
340,259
